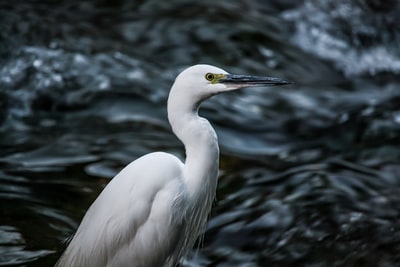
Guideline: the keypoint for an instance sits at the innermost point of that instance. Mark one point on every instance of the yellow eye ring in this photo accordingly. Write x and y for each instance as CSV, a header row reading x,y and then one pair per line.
x,y
210,76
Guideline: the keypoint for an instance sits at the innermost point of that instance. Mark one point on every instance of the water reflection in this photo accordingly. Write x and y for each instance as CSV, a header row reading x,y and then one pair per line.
x,y
310,174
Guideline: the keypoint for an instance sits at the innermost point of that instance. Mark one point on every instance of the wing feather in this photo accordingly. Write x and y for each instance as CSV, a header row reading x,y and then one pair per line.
x,y
137,220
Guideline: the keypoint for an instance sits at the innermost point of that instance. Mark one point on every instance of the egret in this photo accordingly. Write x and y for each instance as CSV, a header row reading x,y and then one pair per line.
x,y
151,213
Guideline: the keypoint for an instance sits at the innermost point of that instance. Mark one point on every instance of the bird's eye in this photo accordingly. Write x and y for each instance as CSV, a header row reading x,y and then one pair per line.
x,y
210,76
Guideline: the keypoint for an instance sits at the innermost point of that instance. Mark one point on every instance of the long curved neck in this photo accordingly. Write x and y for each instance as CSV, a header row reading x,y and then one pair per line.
x,y
200,171
201,145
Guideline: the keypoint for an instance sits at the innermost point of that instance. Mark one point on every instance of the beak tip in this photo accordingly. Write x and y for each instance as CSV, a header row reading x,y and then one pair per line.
x,y
279,81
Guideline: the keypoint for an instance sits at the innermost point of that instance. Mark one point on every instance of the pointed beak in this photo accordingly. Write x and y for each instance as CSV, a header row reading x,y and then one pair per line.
x,y
250,81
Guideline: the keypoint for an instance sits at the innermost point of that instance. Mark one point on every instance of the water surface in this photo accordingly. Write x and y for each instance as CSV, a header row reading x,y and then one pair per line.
x,y
309,173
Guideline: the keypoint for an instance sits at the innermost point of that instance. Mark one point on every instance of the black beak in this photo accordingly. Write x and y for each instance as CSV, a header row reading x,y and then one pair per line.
x,y
247,80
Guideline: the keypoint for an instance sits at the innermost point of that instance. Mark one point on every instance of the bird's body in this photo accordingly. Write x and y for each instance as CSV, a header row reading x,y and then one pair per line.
x,y
133,220
152,212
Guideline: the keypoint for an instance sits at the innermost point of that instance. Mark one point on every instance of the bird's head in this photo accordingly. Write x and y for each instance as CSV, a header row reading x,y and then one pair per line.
x,y
202,81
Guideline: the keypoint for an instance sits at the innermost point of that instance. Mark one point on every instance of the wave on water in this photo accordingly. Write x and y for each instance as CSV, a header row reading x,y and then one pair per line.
x,y
360,37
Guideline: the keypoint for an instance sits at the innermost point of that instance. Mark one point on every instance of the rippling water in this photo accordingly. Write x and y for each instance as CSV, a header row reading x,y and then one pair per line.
x,y
310,174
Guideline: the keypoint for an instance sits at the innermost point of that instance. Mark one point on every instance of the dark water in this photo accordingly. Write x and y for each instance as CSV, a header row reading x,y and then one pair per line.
x,y
310,174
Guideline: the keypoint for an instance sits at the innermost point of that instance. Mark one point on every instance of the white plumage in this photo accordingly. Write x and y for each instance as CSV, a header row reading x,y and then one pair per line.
x,y
152,212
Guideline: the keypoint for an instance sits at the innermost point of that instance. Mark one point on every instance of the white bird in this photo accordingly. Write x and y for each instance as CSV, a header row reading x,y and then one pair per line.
x,y
152,212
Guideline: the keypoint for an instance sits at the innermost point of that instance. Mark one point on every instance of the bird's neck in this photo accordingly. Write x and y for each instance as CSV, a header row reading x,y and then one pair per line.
x,y
200,171
201,145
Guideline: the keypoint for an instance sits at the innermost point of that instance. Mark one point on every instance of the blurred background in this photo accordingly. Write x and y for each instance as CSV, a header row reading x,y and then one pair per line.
x,y
310,173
